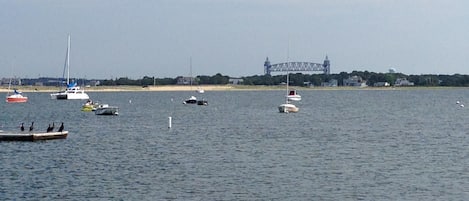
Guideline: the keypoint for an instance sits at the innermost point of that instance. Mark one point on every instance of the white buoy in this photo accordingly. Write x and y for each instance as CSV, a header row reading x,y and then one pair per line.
x,y
169,122
130,101
457,102
462,105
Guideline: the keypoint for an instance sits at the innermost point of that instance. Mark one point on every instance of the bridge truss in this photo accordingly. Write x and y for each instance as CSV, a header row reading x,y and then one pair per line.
x,y
297,67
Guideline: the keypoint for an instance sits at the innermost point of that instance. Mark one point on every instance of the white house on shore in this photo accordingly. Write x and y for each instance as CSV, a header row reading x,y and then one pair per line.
x,y
403,82
355,81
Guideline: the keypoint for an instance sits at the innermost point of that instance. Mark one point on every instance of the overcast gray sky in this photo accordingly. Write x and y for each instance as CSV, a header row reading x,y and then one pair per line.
x,y
129,38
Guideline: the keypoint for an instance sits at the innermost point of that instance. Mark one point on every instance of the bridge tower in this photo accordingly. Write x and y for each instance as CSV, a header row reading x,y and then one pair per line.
x,y
327,66
267,66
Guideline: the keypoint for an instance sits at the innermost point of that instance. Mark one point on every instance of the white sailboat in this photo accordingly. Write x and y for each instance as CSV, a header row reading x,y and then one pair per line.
x,y
193,99
287,107
73,91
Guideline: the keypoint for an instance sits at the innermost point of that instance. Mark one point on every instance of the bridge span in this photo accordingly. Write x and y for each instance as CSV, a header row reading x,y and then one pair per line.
x,y
297,66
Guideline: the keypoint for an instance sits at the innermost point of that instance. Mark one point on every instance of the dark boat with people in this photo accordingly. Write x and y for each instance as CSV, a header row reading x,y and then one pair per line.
x,y
202,102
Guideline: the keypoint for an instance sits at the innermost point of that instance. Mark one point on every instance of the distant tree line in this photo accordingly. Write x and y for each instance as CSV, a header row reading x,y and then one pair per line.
x,y
147,81
296,79
299,79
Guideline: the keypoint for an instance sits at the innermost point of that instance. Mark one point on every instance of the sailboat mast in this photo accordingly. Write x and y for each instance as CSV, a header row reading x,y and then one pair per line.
x,y
67,63
288,67
190,71
9,84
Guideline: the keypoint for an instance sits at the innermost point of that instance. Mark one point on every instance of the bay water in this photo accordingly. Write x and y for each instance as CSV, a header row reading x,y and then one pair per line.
x,y
342,145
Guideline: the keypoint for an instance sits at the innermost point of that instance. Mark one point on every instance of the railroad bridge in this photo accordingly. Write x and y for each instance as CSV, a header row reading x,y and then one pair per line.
x,y
297,66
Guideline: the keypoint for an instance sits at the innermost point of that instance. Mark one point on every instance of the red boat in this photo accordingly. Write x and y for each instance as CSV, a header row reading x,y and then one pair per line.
x,y
16,97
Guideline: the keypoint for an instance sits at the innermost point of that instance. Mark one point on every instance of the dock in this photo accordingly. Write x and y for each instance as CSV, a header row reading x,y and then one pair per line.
x,y
5,136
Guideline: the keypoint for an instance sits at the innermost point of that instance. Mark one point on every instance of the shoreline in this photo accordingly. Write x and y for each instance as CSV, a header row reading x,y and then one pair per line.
x,y
206,88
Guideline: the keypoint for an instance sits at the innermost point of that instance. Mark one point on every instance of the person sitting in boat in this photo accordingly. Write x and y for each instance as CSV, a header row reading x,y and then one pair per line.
x,y
16,92
89,102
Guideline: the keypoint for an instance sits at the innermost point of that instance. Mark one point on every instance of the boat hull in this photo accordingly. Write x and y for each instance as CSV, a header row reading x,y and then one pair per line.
x,y
288,108
32,136
294,97
70,96
202,102
87,108
191,100
111,110
17,100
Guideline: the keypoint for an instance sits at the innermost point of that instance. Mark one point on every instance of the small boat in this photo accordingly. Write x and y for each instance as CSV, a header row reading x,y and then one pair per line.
x,y
89,106
24,136
16,97
191,100
287,108
202,102
199,90
105,109
293,96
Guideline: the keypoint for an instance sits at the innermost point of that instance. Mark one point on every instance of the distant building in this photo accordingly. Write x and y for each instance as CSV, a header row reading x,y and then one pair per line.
x,y
331,83
355,81
12,81
381,84
95,83
185,80
235,81
403,82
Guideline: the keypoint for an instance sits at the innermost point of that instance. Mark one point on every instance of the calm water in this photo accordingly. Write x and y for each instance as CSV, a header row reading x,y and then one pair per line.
x,y
343,145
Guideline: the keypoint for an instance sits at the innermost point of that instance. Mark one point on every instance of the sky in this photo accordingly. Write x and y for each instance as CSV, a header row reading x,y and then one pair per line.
x,y
169,38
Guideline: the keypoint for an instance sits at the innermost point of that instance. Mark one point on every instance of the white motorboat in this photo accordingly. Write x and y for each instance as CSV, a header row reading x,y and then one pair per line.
x,y
73,91
293,95
106,109
190,100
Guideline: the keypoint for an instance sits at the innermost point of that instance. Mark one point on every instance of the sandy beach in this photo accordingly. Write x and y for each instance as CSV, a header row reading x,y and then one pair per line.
x,y
148,88
204,87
